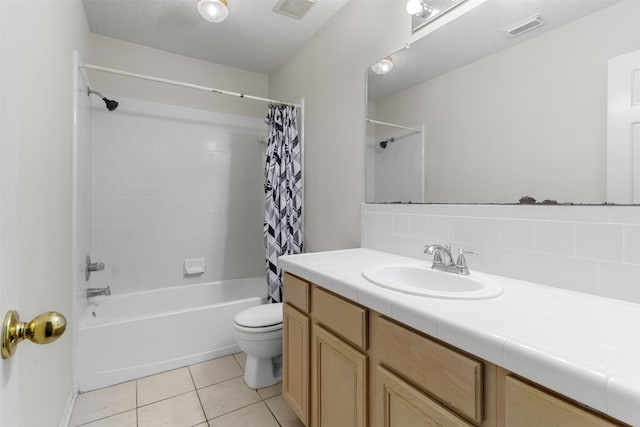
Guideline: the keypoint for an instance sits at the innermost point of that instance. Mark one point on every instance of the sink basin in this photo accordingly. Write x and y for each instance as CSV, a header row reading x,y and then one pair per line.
x,y
417,279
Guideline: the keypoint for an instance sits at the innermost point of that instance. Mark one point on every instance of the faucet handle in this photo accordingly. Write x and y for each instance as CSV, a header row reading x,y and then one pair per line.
x,y
461,261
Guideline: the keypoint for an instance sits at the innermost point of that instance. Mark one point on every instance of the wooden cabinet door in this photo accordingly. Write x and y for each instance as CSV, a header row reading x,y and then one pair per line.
x,y
339,382
399,404
295,361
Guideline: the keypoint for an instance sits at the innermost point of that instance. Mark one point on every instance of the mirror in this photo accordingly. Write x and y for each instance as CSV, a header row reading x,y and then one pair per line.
x,y
492,107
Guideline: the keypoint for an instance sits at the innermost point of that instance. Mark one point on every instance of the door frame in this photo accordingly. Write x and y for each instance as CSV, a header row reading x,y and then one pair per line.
x,y
9,185
623,127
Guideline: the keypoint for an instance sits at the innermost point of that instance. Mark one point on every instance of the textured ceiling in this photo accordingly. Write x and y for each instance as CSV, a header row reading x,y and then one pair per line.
x,y
252,38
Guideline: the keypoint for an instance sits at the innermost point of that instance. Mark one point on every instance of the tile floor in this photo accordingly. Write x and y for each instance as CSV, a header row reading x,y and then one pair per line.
x,y
209,394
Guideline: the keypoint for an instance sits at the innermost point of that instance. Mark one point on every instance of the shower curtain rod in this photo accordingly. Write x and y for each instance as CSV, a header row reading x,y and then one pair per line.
x,y
378,122
182,84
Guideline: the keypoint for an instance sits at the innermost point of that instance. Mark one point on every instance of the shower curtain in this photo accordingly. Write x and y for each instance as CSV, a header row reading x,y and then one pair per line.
x,y
283,194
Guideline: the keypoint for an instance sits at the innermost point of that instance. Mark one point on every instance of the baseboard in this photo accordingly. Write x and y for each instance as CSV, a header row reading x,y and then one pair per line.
x,y
68,409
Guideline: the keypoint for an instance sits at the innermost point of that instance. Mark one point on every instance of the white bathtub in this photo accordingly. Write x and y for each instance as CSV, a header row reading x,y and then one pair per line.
x,y
123,337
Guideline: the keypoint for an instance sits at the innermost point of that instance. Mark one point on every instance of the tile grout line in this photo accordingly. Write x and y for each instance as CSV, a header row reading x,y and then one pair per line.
x,y
104,418
193,381
137,420
272,414
237,409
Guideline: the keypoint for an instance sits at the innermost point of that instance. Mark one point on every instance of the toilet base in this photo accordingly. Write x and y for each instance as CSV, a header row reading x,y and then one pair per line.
x,y
259,373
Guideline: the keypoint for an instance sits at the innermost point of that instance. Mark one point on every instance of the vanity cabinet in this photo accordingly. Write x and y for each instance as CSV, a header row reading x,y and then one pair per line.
x,y
345,365
324,358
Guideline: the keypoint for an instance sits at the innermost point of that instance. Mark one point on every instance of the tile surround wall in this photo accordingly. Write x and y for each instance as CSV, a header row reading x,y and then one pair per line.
x,y
591,249
171,183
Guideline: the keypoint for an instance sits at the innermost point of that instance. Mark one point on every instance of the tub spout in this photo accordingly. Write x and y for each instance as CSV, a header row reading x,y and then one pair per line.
x,y
94,292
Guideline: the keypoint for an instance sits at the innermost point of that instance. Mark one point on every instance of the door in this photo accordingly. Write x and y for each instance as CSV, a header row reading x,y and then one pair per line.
x,y
623,129
8,211
339,382
295,361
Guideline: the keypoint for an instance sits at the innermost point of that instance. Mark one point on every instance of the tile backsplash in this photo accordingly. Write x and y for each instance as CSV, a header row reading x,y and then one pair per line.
x,y
591,249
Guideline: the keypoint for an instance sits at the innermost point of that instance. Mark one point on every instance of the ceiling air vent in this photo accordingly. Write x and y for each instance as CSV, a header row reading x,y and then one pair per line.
x,y
524,26
293,8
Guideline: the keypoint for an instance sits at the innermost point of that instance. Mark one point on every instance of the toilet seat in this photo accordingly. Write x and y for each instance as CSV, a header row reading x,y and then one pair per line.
x,y
258,330
261,318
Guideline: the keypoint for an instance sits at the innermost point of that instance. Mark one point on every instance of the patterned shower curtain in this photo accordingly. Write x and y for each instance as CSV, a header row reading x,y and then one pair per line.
x,y
283,194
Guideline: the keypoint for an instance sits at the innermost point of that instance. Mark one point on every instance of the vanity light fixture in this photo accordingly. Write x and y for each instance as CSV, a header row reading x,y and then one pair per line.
x,y
424,12
383,66
421,8
213,10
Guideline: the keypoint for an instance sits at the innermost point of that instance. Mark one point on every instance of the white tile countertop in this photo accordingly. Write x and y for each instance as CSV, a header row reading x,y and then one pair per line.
x,y
583,346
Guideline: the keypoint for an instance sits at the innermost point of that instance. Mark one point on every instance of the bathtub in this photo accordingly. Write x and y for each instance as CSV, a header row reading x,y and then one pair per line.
x,y
123,337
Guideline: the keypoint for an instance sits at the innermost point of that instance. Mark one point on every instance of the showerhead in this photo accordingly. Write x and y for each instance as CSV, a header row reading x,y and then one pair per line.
x,y
110,103
384,143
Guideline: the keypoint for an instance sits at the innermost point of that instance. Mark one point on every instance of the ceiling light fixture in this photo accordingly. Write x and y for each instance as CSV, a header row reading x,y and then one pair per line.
x,y
420,8
213,10
383,66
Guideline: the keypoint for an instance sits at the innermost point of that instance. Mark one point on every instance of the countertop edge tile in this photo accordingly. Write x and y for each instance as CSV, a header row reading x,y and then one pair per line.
x,y
586,385
623,399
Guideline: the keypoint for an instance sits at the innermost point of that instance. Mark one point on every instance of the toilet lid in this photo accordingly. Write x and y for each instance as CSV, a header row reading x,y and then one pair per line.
x,y
260,316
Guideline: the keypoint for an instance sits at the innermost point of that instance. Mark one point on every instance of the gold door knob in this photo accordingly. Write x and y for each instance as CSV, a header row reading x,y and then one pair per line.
x,y
43,329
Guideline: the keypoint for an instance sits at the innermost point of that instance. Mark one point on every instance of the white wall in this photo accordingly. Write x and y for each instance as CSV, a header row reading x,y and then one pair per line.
x,y
529,120
46,33
113,53
591,249
172,183
329,72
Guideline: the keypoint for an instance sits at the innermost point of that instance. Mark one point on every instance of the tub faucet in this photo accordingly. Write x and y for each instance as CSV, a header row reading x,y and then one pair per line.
x,y
443,261
94,292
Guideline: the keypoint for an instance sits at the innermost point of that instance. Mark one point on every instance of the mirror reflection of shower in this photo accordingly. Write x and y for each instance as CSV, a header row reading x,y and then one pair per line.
x,y
109,103
390,145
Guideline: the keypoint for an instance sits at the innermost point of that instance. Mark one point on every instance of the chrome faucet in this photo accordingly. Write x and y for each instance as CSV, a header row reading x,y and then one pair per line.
x,y
443,260
92,266
94,292
441,255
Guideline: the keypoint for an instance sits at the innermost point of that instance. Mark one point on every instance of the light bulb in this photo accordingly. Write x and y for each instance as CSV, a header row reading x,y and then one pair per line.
x,y
213,10
415,7
382,67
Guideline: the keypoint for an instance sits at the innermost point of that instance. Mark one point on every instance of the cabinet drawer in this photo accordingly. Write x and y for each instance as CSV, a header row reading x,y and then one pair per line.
x,y
527,405
342,317
450,376
296,292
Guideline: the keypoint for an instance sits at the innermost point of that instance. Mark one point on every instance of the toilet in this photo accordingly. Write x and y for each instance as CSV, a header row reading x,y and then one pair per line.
x,y
258,332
